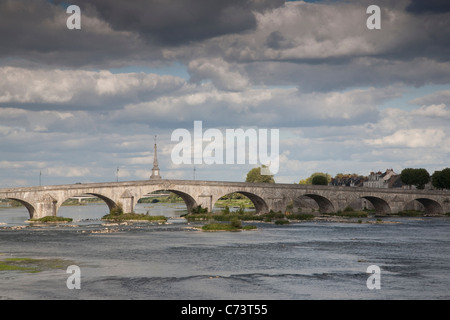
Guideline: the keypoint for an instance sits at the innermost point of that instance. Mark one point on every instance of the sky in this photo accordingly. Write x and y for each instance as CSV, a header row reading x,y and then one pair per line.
x,y
84,105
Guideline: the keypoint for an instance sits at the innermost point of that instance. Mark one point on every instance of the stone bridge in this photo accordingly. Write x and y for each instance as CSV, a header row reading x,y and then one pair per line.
x,y
46,200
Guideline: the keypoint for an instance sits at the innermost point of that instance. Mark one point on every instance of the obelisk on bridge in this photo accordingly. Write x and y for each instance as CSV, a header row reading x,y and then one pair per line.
x,y
155,170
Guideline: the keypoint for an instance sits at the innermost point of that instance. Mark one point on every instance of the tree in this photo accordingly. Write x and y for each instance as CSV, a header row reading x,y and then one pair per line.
x,y
445,178
254,175
320,180
407,176
415,177
436,180
422,178
309,180
441,179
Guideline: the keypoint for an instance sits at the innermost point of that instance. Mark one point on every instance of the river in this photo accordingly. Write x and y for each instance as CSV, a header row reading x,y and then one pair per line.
x,y
305,260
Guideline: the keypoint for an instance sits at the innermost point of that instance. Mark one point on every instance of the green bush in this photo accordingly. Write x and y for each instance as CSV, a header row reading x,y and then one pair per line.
x,y
198,217
219,227
273,215
117,210
319,180
300,216
236,223
133,216
199,209
51,219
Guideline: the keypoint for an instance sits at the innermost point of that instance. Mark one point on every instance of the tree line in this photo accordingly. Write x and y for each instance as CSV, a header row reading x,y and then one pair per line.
x,y
417,177
420,177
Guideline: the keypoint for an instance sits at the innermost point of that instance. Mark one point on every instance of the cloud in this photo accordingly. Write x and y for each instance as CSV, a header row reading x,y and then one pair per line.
x,y
438,97
179,21
437,111
80,89
315,46
219,72
412,138
430,6
311,69
34,32
72,172
327,46
267,107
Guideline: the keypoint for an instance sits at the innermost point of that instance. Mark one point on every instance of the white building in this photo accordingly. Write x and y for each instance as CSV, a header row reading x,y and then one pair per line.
x,y
382,180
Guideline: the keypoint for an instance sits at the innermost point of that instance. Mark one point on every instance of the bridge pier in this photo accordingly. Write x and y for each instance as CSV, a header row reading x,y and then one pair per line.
x,y
276,204
45,206
205,201
127,201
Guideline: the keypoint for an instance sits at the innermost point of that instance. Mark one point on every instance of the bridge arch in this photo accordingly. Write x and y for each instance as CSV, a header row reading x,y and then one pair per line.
x,y
381,206
259,203
430,206
325,205
187,198
109,202
30,207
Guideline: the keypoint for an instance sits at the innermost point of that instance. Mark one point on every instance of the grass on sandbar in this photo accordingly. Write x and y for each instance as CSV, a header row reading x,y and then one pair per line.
x,y
133,216
51,219
32,265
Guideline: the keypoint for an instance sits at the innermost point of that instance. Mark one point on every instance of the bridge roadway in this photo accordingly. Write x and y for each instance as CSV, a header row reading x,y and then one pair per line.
x,y
46,200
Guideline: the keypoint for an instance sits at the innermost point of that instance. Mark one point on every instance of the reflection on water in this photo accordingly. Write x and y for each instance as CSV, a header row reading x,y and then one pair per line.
x,y
13,216
305,260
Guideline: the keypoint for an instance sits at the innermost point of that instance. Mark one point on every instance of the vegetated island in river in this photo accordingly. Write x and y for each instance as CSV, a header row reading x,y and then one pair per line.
x,y
217,221
50,219
116,214
227,220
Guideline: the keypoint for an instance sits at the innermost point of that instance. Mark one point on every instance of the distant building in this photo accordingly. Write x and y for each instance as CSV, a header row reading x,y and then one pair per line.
x,y
388,179
348,180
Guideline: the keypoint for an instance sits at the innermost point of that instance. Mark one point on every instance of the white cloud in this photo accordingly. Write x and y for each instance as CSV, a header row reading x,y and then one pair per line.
x,y
80,88
64,171
438,97
274,107
219,72
412,138
439,111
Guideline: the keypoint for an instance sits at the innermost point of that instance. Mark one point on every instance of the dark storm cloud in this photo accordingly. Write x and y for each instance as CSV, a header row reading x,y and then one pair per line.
x,y
34,32
116,33
428,6
179,21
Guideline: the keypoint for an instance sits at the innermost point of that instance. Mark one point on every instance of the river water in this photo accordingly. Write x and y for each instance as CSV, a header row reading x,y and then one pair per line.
x,y
304,260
